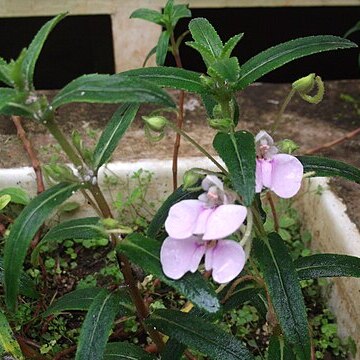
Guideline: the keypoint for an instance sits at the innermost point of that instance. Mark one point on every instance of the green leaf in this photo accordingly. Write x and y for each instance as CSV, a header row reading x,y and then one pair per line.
x,y
279,349
149,55
125,351
162,48
4,73
199,334
180,11
284,289
18,195
327,265
26,286
145,252
7,96
112,134
24,229
85,228
230,45
111,89
204,34
205,53
96,328
169,77
81,300
159,219
353,29
238,153
4,200
322,166
225,69
34,49
148,15
281,54
9,347
173,350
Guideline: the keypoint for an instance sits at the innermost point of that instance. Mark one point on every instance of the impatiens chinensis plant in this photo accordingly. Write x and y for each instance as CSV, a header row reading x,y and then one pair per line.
x,y
207,244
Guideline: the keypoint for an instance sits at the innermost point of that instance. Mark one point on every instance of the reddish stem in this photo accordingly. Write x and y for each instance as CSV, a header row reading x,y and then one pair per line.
x,y
273,211
329,144
35,163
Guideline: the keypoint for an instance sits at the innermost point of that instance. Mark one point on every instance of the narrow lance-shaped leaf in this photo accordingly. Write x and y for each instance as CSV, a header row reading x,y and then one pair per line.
x,y
148,15
322,166
34,49
24,229
125,351
159,219
238,153
145,252
327,265
199,334
279,349
9,347
281,54
85,228
180,11
111,89
169,77
162,48
112,134
285,292
18,195
205,34
230,45
82,299
96,328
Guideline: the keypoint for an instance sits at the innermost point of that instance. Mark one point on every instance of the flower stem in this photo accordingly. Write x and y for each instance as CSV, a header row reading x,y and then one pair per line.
x,y
282,110
198,146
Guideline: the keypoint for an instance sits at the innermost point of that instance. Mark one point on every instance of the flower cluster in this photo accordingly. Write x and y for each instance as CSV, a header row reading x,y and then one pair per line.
x,y
197,228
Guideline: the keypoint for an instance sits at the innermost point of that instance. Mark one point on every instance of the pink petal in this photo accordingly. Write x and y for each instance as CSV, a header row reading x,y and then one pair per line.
x,y
228,261
258,176
180,256
182,218
202,220
224,220
266,172
209,255
287,173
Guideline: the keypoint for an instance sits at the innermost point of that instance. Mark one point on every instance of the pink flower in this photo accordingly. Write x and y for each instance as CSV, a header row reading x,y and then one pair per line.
x,y
226,258
281,173
194,227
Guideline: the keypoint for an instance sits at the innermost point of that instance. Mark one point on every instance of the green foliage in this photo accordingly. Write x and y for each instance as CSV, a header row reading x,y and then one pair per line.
x,y
285,293
238,152
199,334
23,230
124,351
18,195
96,88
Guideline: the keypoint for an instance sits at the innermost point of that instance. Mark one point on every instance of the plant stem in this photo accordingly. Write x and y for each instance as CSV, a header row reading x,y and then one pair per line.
x,y
273,211
282,110
63,142
198,146
180,117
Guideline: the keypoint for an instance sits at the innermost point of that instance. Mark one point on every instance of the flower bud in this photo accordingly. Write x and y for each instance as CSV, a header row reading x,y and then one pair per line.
x,y
190,178
304,84
155,123
287,146
221,124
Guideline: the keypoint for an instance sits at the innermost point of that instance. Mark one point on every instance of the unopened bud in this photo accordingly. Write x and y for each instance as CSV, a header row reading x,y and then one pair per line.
x,y
190,179
287,146
304,84
155,123
221,124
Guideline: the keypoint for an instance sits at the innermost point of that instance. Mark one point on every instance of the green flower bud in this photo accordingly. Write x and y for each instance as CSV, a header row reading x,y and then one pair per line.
x,y
190,178
221,124
304,84
287,146
155,123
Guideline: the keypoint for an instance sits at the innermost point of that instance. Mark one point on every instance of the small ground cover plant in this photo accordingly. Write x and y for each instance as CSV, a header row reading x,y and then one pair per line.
x,y
208,242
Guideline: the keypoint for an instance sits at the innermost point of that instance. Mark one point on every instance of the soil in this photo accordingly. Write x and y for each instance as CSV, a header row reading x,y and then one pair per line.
x,y
308,125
